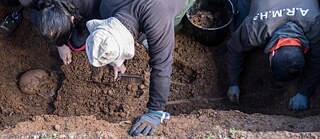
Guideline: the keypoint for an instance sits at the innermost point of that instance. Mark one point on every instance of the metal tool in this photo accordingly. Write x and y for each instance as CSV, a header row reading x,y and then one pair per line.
x,y
130,75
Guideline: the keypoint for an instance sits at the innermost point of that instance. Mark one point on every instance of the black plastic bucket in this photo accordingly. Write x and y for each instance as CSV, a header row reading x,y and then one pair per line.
x,y
210,20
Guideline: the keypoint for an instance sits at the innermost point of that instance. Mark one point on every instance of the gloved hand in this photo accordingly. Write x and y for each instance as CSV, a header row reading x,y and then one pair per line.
x,y
298,102
65,54
234,93
116,70
148,123
144,42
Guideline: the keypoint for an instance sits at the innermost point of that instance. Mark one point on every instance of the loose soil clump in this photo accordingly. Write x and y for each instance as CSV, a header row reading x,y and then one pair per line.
x,y
206,19
210,14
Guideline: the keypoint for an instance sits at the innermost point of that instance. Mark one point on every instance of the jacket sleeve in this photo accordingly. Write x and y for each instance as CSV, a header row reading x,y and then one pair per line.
x,y
311,73
158,24
234,63
237,47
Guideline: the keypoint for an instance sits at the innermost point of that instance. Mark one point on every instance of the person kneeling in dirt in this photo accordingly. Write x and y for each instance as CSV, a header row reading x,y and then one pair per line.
x,y
62,22
112,42
289,31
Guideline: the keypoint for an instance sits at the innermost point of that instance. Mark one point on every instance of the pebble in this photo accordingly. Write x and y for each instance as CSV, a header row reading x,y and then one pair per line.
x,y
47,119
129,87
134,88
146,82
211,114
123,115
56,127
33,119
142,86
110,92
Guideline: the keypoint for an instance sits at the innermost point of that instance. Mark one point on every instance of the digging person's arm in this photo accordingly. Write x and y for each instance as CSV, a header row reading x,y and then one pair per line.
x,y
234,63
161,44
310,75
243,40
160,37
235,60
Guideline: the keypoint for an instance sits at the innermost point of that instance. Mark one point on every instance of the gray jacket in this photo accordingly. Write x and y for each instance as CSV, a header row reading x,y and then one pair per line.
x,y
155,18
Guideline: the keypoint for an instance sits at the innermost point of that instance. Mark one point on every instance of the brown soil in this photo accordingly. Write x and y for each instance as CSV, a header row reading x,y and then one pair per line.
x,y
92,105
206,19
210,14
199,124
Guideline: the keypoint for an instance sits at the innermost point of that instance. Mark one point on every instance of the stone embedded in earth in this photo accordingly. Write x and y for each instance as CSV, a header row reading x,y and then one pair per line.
x,y
36,81
56,127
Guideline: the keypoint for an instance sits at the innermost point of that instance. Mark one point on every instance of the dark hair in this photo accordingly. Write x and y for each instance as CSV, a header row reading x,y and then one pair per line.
x,y
287,63
54,21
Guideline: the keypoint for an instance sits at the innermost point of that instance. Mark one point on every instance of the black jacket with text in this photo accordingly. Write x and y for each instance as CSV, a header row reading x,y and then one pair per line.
x,y
270,20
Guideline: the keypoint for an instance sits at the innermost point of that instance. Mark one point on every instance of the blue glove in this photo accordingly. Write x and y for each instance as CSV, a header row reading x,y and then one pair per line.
x,y
148,123
144,42
234,93
298,102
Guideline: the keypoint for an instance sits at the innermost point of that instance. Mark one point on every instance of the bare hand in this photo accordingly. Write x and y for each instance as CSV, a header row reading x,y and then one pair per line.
x,y
65,54
116,70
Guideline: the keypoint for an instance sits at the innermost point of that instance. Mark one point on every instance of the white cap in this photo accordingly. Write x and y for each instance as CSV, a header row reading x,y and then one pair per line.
x,y
109,42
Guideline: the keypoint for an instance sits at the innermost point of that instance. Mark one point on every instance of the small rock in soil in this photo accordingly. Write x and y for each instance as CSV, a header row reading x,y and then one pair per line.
x,y
56,127
110,92
141,86
129,87
123,115
47,119
134,88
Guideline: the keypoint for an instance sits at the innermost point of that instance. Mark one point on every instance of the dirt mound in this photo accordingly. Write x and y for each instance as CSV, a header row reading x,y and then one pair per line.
x,y
199,124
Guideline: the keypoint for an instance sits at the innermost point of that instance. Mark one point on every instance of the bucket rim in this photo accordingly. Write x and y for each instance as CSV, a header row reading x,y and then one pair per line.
x,y
215,28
